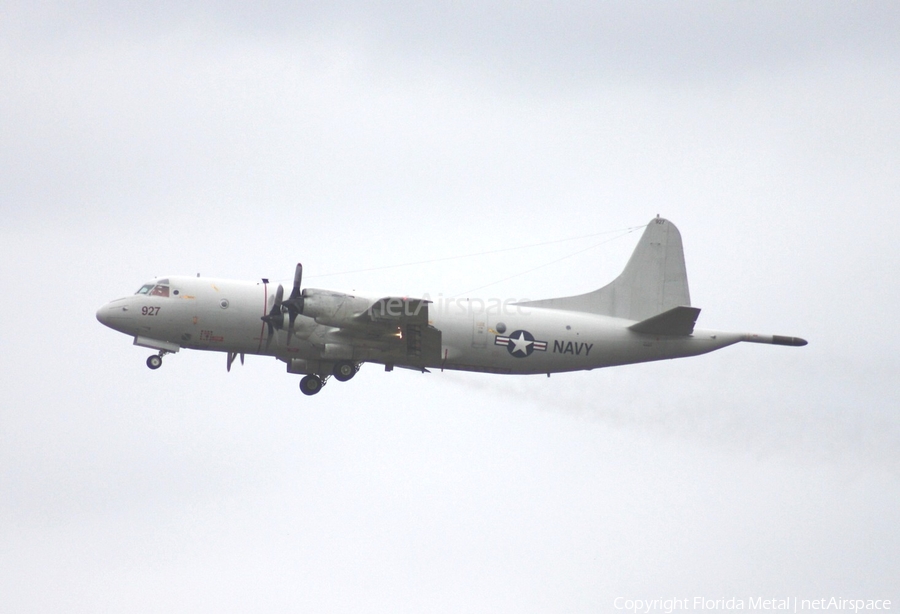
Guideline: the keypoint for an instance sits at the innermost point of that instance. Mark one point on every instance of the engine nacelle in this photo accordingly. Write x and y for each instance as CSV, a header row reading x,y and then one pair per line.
x,y
301,366
332,308
337,351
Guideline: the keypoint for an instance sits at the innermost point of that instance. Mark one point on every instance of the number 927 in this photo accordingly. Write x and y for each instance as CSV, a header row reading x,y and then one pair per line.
x,y
149,311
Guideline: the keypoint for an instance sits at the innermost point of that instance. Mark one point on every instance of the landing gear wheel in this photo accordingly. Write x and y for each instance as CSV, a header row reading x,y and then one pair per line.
x,y
154,361
310,384
344,371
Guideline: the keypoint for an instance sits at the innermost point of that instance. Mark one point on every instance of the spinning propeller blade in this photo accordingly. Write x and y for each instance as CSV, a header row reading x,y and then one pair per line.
x,y
275,318
294,304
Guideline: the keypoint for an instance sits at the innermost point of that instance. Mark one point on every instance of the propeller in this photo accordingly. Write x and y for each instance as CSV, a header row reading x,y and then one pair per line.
x,y
294,304
275,317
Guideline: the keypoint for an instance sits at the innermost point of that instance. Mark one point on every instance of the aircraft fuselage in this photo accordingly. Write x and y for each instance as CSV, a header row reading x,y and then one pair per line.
x,y
225,316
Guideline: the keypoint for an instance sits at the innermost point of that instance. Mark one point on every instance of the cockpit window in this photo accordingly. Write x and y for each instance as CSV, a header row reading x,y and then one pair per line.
x,y
157,288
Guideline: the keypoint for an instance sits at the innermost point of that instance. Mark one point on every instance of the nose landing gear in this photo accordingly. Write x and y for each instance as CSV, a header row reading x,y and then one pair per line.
x,y
154,361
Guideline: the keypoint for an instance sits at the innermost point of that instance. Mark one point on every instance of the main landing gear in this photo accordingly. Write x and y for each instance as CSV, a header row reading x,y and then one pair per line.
x,y
311,384
343,371
154,361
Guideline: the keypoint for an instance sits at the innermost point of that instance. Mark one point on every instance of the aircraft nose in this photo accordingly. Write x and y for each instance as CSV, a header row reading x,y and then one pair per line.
x,y
114,314
103,315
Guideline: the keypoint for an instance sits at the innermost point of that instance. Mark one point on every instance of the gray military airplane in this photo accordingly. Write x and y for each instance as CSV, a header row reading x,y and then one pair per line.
x,y
645,314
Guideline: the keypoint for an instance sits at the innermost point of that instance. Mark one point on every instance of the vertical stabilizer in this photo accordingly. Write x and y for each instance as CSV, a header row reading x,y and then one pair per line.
x,y
654,280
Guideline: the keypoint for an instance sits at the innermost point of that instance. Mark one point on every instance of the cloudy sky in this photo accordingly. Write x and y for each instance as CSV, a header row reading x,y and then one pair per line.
x,y
235,140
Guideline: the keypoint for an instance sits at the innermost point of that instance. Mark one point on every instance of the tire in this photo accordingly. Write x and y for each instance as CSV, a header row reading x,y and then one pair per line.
x,y
310,385
344,371
154,361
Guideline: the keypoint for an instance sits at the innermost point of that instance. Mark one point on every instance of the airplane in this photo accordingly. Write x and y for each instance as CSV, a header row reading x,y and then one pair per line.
x,y
644,315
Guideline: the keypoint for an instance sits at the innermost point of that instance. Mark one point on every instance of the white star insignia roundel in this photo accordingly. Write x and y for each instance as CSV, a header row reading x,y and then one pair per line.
x,y
520,343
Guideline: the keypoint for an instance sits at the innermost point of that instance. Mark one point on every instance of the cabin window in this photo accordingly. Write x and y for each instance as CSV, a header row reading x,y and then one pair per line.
x,y
145,289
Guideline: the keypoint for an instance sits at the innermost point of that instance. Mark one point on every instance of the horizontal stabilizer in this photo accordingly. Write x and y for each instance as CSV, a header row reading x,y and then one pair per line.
x,y
676,322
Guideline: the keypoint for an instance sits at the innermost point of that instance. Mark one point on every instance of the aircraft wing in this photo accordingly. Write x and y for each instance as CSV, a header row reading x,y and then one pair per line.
x,y
405,319
395,310
394,329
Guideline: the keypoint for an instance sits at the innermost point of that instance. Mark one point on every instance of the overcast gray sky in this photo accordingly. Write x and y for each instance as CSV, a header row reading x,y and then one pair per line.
x,y
235,140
